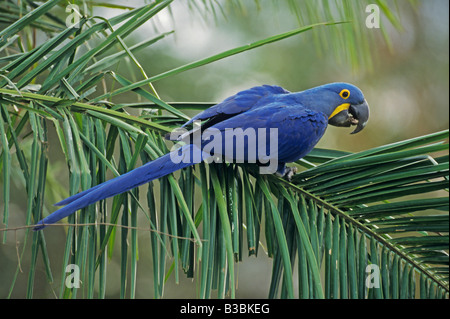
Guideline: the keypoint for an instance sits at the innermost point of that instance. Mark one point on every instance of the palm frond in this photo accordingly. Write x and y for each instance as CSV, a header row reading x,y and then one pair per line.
x,y
383,209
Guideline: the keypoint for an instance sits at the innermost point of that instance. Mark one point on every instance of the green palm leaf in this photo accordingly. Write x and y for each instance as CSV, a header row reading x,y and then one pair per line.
x,y
372,224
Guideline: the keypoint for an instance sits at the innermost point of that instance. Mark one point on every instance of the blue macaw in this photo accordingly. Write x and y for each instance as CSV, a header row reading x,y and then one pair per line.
x,y
299,119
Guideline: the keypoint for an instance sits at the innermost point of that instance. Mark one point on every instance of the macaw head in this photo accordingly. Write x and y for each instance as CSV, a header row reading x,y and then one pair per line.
x,y
351,107
344,104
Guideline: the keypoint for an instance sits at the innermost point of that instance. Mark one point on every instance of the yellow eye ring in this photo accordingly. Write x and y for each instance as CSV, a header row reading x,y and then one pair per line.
x,y
344,94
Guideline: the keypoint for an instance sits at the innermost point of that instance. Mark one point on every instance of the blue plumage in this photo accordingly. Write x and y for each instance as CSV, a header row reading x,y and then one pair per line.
x,y
241,102
253,116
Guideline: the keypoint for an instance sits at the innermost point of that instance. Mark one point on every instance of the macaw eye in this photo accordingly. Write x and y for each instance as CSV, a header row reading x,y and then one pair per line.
x,y
344,93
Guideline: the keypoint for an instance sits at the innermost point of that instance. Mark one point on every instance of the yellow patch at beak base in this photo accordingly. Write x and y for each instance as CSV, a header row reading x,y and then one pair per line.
x,y
340,108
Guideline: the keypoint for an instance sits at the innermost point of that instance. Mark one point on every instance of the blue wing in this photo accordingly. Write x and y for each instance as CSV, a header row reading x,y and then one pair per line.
x,y
239,103
298,128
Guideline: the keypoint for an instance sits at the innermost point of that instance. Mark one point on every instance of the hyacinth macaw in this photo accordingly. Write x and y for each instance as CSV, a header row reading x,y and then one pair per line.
x,y
299,120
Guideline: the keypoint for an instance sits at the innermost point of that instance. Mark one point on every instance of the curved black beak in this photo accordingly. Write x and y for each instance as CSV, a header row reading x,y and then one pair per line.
x,y
355,115
360,114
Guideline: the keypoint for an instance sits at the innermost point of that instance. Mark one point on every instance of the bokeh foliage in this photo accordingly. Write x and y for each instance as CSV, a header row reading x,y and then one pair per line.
x,y
344,211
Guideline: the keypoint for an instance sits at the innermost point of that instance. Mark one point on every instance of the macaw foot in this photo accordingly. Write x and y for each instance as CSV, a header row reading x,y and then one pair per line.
x,y
290,171
287,172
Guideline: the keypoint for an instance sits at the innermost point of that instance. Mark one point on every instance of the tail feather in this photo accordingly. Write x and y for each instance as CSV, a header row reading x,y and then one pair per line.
x,y
70,199
155,169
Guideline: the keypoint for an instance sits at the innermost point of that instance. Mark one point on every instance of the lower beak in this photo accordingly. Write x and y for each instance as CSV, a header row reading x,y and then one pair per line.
x,y
355,115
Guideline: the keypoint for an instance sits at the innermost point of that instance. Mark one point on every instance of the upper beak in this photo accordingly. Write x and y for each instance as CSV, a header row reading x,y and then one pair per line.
x,y
360,115
355,115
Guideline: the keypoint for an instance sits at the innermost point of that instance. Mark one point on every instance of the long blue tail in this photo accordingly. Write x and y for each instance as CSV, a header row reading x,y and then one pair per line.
x,y
155,169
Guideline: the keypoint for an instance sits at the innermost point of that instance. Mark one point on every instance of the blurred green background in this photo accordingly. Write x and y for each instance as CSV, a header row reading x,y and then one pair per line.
x,y
406,84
